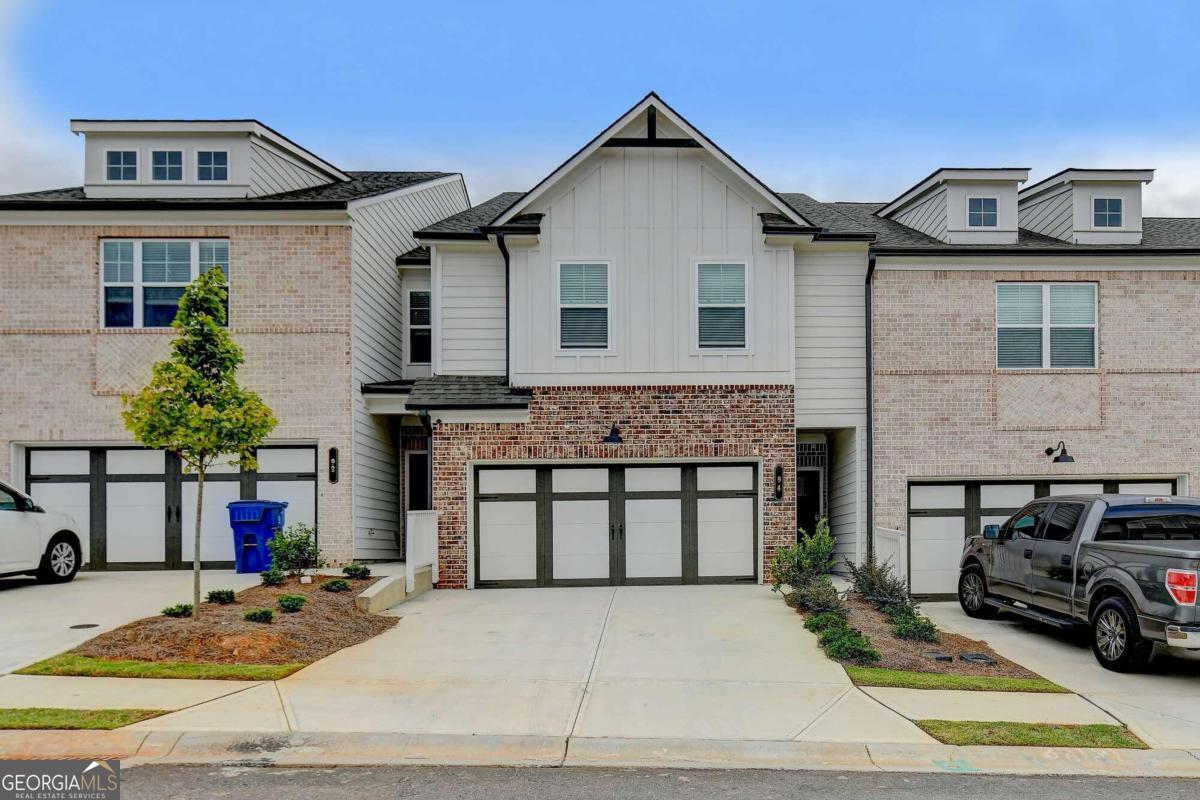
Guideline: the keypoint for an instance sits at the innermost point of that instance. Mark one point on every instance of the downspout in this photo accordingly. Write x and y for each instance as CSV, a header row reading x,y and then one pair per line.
x,y
507,303
870,443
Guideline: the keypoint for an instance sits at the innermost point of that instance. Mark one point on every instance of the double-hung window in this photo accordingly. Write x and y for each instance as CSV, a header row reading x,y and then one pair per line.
x,y
1106,212
144,280
1046,325
583,306
419,327
166,165
212,165
721,305
120,165
981,212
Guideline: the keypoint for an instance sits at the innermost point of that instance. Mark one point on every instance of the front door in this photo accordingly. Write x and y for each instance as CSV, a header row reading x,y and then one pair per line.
x,y
1053,573
808,499
1012,553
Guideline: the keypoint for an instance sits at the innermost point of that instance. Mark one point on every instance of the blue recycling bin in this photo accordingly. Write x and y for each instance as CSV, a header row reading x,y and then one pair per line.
x,y
254,523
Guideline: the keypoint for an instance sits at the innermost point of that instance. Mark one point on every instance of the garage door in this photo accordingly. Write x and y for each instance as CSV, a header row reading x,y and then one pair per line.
x,y
136,507
942,515
615,525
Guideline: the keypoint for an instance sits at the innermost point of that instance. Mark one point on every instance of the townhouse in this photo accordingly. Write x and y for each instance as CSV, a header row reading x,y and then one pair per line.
x,y
650,367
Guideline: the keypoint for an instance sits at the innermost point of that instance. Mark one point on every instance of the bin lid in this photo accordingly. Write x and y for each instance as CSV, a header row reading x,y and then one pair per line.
x,y
257,504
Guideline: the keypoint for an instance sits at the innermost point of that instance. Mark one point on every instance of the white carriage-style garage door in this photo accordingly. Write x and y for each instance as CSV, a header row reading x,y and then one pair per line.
x,y
136,507
612,525
942,514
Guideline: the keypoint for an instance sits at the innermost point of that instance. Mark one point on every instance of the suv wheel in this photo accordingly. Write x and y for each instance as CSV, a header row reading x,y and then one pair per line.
x,y
972,592
1116,639
60,561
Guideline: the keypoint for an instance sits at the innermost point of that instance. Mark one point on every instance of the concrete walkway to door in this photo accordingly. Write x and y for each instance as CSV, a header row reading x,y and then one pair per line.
x,y
684,662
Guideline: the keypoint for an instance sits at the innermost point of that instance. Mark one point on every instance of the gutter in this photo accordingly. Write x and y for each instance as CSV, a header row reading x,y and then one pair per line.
x,y
1030,252
507,306
870,443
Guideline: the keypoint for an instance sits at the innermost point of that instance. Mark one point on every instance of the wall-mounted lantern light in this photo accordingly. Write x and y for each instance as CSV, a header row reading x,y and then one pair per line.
x,y
614,435
1063,456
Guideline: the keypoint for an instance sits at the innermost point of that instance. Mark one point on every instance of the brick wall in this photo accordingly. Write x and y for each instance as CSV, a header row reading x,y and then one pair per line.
x,y
289,310
942,409
658,422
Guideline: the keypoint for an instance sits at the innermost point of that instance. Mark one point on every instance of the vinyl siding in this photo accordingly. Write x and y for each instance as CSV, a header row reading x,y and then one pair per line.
x,y
469,315
845,494
381,231
272,172
928,216
1050,215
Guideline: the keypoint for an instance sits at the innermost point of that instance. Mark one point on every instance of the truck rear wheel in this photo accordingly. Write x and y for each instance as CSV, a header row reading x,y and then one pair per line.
x,y
1116,638
972,593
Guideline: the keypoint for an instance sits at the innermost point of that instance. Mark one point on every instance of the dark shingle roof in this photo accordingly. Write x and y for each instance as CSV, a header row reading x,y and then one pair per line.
x,y
468,223
416,256
465,391
328,195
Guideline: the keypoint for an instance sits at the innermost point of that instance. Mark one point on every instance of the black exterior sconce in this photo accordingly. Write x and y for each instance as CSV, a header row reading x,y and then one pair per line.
x,y
1063,456
614,435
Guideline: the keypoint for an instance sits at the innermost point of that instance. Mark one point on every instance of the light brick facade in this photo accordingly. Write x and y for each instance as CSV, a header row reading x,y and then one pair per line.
x,y
942,409
656,422
289,310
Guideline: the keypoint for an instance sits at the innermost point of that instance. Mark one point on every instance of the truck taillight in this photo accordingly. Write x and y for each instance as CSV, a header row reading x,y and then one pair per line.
x,y
1181,583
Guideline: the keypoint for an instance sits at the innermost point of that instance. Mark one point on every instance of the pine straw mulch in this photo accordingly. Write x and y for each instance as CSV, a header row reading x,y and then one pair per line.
x,y
328,622
905,654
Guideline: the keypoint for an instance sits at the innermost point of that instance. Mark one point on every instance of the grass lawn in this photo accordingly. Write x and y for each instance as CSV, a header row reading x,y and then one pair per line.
x,y
876,676
72,719
1030,734
71,664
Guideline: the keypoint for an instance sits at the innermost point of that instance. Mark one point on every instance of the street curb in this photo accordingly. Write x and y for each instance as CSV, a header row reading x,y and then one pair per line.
x,y
298,749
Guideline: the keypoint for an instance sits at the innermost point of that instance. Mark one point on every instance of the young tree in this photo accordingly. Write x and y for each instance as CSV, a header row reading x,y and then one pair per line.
x,y
193,405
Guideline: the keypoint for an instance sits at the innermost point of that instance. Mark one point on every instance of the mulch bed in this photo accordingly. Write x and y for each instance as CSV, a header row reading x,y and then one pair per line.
x,y
906,654
328,622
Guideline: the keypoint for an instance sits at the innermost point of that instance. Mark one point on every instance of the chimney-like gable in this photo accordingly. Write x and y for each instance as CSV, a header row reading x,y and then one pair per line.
x,y
1086,206
962,205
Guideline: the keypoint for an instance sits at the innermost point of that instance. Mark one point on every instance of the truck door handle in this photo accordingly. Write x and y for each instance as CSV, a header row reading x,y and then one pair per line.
x,y
1066,560
1029,552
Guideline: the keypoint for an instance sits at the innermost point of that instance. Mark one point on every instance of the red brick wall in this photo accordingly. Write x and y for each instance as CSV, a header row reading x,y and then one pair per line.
x,y
657,422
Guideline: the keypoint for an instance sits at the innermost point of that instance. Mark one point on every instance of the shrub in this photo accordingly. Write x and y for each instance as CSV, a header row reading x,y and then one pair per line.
x,y
222,597
819,595
819,623
843,643
272,577
178,610
915,626
809,558
878,584
291,603
336,585
294,550
263,615
358,572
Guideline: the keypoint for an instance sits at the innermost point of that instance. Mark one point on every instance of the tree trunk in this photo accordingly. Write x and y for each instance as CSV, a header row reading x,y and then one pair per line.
x,y
196,545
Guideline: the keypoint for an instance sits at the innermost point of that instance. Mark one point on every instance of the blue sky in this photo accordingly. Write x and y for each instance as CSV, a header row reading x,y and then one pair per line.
x,y
846,101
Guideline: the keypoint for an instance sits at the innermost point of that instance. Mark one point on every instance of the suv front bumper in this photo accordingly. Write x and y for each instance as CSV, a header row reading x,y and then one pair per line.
x,y
1185,636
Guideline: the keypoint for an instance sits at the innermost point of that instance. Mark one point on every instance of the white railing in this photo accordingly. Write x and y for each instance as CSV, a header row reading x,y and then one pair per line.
x,y
420,546
891,547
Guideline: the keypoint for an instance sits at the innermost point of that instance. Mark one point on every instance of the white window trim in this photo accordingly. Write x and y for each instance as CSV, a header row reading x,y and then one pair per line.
x,y
1092,212
182,165
409,327
746,271
196,151
982,227
1046,326
138,284
558,306
137,168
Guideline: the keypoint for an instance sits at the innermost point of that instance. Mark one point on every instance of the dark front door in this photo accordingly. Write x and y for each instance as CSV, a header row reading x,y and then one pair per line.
x,y
808,499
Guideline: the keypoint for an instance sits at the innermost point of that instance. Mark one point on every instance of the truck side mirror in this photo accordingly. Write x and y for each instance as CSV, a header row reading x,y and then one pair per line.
x,y
991,531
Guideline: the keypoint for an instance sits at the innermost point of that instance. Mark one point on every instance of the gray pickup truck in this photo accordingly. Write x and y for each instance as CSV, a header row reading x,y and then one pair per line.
x,y
1125,566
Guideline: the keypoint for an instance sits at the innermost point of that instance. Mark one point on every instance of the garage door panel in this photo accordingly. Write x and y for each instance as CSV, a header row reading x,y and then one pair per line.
x,y
74,499
936,545
216,536
508,541
725,537
301,497
653,539
136,522
581,539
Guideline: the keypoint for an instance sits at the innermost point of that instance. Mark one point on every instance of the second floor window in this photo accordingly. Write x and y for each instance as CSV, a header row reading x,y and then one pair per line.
x,y
420,348
1046,325
583,306
212,165
166,165
143,280
721,301
981,212
1106,212
120,165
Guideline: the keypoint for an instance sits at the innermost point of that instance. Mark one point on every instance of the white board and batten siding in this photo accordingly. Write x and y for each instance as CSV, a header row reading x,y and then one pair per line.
x,y
651,215
380,231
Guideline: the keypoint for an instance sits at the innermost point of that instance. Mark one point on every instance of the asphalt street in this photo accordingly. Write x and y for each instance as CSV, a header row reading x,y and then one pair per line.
x,y
501,783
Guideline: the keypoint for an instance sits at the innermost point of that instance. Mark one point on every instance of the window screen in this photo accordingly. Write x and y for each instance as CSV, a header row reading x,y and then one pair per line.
x,y
420,341
721,292
1045,325
981,212
583,306
1106,212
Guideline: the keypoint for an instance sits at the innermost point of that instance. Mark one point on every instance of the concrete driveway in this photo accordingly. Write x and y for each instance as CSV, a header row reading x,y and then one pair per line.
x,y
36,619
1161,705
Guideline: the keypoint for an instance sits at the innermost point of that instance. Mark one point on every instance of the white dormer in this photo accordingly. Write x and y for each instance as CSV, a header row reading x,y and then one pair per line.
x,y
962,205
195,159
1087,206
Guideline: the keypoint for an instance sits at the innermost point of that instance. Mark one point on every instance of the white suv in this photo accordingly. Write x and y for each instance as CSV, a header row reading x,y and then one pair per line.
x,y
34,541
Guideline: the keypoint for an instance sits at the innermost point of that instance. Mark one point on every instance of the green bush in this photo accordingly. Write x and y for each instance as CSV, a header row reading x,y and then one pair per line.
x,y
272,577
819,623
915,626
178,610
810,557
878,584
819,595
263,615
291,603
358,572
222,597
843,643
336,585
294,550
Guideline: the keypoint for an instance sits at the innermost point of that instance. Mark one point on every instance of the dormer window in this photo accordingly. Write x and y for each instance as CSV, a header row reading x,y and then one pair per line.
x,y
981,212
166,165
212,165
121,165
1106,212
